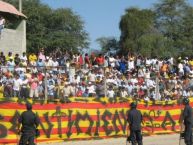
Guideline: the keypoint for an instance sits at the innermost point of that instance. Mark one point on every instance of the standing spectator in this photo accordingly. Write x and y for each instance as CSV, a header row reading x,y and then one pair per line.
x,y
33,86
122,66
112,61
51,89
80,61
17,82
100,60
55,66
100,89
2,24
40,64
87,61
24,88
8,90
130,64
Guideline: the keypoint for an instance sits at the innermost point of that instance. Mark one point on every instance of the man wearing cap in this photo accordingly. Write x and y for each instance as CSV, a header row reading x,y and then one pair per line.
x,y
135,119
187,120
29,122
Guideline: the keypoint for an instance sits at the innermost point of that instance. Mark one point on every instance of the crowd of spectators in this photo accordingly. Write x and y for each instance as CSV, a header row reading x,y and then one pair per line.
x,y
62,74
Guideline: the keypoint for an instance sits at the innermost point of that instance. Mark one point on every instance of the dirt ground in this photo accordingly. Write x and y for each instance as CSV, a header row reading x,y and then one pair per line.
x,y
150,140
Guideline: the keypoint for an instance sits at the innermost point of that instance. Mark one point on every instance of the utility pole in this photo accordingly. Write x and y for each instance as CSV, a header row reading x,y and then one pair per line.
x,y
20,6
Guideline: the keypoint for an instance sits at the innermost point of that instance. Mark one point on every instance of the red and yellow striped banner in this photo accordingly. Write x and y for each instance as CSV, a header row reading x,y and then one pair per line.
x,y
89,119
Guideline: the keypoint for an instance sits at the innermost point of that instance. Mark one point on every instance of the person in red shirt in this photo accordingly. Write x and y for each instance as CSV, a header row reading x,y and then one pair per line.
x,y
87,61
140,81
100,60
40,76
79,92
80,60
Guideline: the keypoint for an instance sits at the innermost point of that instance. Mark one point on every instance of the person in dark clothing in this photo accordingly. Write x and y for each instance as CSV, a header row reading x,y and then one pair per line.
x,y
135,119
29,122
187,119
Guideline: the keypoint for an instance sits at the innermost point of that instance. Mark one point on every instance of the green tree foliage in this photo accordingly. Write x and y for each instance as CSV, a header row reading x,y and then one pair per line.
x,y
108,44
133,25
167,30
187,32
170,22
51,29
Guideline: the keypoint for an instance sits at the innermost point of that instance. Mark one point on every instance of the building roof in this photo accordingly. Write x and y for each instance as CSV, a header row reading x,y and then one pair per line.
x,y
8,8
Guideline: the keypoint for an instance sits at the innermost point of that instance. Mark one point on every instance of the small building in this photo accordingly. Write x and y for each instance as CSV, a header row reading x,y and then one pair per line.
x,y
14,39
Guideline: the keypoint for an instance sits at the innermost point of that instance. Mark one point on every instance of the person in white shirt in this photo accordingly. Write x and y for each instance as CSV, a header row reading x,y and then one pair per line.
x,y
49,62
130,88
16,86
112,61
92,76
131,65
110,92
91,89
23,57
146,98
123,93
67,90
181,69
2,24
55,65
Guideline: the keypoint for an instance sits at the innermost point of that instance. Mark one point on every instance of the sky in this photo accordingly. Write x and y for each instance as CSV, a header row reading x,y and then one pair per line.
x,y
101,17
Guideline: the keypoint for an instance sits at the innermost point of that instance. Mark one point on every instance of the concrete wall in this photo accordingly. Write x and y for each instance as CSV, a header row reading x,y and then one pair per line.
x,y
14,40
